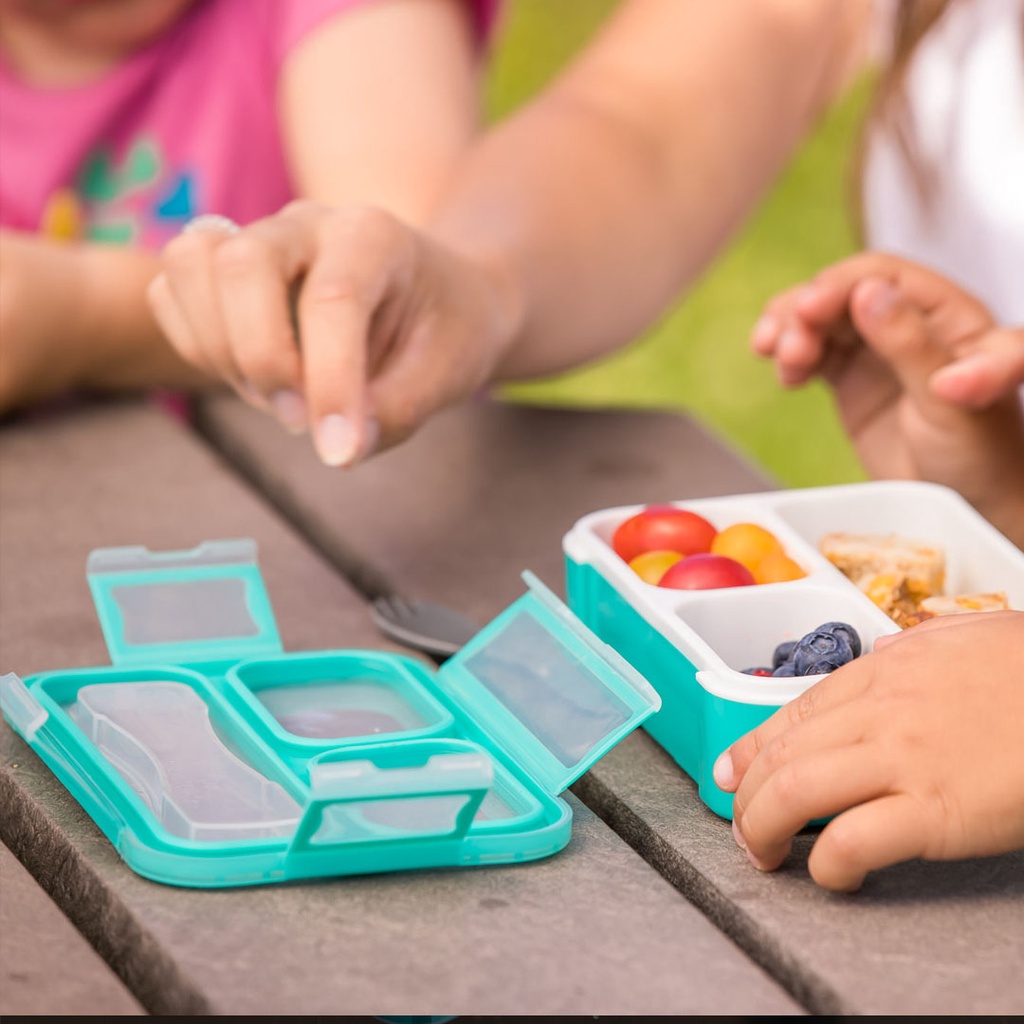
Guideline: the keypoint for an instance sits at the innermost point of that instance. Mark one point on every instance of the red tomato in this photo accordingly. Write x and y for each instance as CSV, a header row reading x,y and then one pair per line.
x,y
663,528
707,572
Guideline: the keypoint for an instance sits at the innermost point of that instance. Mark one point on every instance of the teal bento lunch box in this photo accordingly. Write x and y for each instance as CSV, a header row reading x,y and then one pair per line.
x,y
210,757
692,645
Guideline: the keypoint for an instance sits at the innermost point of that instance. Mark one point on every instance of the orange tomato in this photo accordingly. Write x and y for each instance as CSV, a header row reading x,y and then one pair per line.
x,y
650,566
746,543
778,568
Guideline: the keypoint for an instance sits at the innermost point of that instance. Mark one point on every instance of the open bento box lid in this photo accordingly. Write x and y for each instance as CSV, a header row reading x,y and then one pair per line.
x,y
171,755
544,687
205,605
546,690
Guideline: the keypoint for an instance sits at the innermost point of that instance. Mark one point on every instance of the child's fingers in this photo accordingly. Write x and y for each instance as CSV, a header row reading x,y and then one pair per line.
x,y
823,302
805,788
777,313
987,372
800,347
799,354
834,691
173,323
873,835
254,272
191,275
896,329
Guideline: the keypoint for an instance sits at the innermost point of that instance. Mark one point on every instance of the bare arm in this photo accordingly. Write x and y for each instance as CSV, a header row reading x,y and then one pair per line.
x,y
76,316
379,104
615,188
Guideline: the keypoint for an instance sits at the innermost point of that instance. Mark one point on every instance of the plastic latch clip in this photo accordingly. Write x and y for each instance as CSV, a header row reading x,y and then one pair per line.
x,y
20,707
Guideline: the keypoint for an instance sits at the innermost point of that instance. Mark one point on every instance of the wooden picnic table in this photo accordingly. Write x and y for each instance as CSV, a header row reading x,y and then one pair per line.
x,y
651,908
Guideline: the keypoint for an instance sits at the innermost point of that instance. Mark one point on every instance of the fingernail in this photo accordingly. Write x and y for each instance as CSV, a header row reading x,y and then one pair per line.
x,y
759,864
809,293
723,772
881,299
251,395
790,338
738,835
336,440
764,330
290,409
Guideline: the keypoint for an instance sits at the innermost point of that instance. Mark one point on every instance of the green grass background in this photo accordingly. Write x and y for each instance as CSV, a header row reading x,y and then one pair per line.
x,y
697,357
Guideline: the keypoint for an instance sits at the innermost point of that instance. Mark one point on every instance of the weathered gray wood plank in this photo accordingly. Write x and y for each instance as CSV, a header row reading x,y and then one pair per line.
x,y
591,930
46,967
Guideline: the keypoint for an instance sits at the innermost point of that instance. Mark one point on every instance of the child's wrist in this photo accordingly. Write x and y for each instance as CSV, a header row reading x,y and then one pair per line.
x,y
111,305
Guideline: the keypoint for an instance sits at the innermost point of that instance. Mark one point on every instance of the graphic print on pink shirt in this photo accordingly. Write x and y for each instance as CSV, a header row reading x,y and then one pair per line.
x,y
186,125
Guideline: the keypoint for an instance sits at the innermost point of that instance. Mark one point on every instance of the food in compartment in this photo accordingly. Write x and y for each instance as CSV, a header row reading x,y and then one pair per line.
x,y
657,541
662,528
746,543
650,566
903,577
820,651
958,604
707,572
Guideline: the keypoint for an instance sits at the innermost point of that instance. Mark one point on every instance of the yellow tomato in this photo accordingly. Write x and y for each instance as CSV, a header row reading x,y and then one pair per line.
x,y
746,543
652,565
778,568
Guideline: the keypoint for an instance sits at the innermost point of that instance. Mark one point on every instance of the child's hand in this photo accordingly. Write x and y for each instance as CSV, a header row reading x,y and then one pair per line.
x,y
810,328
916,747
883,332
346,322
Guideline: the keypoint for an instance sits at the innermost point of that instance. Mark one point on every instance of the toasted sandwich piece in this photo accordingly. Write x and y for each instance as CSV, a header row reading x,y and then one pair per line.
x,y
956,604
909,570
892,593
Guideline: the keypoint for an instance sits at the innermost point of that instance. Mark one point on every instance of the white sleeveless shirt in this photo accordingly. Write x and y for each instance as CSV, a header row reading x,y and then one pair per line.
x,y
965,90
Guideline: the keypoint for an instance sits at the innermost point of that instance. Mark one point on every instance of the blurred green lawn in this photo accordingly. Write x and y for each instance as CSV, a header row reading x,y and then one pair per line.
x,y
697,357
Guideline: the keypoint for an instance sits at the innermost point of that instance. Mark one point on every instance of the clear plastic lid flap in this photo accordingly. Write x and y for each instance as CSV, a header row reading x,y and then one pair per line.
x,y
182,607
552,695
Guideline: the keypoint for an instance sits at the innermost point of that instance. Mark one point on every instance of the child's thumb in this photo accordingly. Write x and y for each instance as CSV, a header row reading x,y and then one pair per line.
x,y
895,329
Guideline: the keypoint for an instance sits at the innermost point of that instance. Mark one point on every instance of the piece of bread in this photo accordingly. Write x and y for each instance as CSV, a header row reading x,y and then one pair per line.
x,y
896,573
956,604
922,566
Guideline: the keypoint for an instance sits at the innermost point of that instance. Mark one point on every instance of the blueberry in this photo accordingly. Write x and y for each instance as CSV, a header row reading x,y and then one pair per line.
x,y
783,653
846,630
787,668
822,665
817,646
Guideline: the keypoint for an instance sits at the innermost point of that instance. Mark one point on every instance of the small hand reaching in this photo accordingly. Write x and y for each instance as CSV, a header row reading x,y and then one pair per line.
x,y
926,382
915,748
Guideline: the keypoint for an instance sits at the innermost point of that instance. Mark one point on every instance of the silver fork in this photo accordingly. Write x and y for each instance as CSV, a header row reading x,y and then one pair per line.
x,y
422,625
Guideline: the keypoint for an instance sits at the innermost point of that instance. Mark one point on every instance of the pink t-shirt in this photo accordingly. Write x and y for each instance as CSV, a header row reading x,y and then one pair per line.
x,y
186,125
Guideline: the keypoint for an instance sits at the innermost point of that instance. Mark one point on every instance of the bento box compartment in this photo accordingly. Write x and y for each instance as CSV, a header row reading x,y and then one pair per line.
x,y
160,738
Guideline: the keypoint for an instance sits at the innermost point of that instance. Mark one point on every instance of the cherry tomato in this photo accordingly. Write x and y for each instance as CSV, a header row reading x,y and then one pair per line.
x,y
651,565
663,528
707,572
